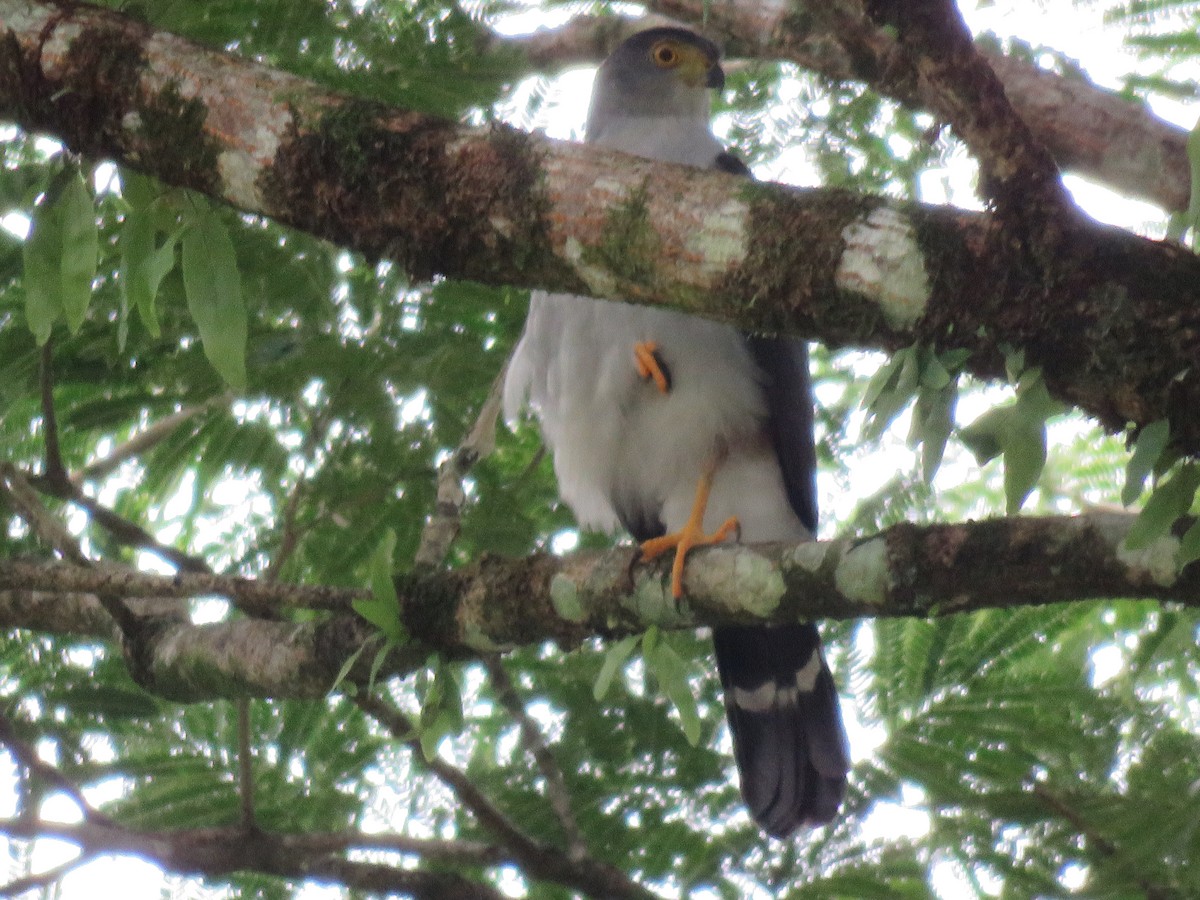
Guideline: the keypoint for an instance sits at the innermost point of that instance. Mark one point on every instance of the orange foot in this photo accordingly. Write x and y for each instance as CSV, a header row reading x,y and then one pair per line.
x,y
691,535
651,366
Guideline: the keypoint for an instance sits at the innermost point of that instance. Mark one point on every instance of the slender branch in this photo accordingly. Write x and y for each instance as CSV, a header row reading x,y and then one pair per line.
x,y
443,526
144,440
1103,846
43,880
215,852
1018,174
55,470
489,815
594,878
27,757
246,593
25,502
531,739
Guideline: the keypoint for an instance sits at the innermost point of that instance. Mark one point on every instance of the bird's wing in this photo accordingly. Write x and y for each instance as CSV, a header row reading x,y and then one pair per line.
x,y
780,697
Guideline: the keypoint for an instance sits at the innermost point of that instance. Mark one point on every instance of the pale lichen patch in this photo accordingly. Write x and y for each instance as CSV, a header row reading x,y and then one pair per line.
x,y
1158,562
883,262
809,556
652,603
739,579
862,574
721,243
564,596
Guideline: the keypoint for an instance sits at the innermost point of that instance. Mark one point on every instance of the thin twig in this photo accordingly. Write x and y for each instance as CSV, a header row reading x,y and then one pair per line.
x,y
54,464
38,768
27,504
290,535
443,526
246,593
537,860
43,880
145,440
1103,845
489,815
245,765
56,482
531,738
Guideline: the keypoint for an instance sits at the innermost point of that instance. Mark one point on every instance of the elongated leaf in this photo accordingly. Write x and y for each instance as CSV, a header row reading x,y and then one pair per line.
x,y
1168,502
214,296
1150,444
80,244
671,671
43,304
1189,545
614,659
383,608
144,266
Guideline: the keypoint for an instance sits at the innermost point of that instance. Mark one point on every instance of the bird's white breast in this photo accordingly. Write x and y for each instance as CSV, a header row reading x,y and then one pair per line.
x,y
614,434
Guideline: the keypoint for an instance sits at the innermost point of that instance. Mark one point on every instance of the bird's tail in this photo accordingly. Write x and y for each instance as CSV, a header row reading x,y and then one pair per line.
x,y
788,738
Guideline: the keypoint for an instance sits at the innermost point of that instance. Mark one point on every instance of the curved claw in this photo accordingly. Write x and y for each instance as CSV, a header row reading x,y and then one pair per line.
x,y
650,365
691,535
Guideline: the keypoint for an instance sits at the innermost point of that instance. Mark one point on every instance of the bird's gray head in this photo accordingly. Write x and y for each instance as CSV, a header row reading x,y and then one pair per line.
x,y
660,73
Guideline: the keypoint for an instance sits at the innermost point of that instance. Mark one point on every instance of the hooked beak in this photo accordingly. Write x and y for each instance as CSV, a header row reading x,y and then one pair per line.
x,y
716,77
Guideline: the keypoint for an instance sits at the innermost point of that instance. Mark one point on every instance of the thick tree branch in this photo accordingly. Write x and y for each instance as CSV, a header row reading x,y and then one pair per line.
x,y
1087,129
506,208
1018,174
214,852
494,604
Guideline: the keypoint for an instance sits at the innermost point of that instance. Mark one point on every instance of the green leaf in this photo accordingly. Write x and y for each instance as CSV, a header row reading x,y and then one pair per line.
x,y
441,707
1018,431
650,640
892,388
214,296
672,673
80,244
1193,154
1167,502
1151,442
1024,459
43,302
60,255
144,265
1189,545
383,608
987,435
1014,364
345,670
614,658
933,418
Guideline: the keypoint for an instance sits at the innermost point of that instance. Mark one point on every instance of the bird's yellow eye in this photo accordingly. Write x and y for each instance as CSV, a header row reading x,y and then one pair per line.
x,y
664,55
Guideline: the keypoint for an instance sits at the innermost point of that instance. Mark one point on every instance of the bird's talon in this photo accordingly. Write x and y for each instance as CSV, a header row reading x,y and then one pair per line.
x,y
650,365
682,542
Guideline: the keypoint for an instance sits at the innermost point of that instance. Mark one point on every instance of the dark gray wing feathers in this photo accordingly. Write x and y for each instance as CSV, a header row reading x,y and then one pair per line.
x,y
780,697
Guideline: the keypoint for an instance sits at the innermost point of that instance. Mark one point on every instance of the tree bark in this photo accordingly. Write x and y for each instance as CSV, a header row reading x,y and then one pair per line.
x,y
1091,131
497,604
1118,339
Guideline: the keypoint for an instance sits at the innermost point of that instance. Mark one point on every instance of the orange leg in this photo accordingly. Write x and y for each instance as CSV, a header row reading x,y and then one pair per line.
x,y
692,534
650,365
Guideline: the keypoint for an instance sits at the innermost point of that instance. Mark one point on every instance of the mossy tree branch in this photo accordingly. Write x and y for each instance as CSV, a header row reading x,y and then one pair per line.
x,y
496,604
503,207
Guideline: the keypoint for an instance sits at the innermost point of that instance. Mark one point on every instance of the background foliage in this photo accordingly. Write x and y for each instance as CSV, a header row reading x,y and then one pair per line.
x,y
1030,752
